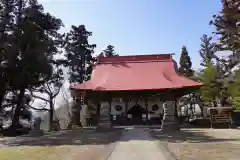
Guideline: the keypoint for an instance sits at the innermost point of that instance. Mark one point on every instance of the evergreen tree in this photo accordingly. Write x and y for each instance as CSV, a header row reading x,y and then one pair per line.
x,y
234,91
34,42
6,24
109,51
185,68
227,24
79,60
214,89
209,90
79,54
207,50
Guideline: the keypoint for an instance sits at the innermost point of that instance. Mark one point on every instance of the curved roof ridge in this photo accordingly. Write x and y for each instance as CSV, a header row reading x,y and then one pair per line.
x,y
135,58
133,75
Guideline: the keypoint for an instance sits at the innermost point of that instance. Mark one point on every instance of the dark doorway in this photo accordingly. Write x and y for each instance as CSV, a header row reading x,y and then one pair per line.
x,y
136,111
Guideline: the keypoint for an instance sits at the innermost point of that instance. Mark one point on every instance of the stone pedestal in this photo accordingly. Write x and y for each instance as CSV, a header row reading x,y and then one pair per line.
x,y
169,122
84,115
104,121
36,128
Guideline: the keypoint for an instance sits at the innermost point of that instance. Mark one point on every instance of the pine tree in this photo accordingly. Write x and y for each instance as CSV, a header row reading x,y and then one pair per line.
x,y
109,51
79,55
185,68
227,24
34,42
207,50
6,23
234,91
209,90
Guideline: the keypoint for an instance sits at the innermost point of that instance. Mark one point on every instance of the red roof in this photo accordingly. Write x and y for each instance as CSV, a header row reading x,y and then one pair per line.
x,y
140,72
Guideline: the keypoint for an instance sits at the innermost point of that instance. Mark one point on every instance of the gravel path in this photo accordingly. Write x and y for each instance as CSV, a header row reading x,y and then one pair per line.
x,y
63,145
137,144
198,144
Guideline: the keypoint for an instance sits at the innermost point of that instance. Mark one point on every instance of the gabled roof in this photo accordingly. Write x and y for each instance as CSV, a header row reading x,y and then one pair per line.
x,y
140,72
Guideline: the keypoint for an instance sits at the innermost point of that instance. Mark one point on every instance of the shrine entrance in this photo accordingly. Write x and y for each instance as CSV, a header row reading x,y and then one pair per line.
x,y
137,115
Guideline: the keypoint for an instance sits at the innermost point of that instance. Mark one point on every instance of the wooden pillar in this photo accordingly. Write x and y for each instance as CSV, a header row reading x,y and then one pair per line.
x,y
110,109
126,109
146,107
175,107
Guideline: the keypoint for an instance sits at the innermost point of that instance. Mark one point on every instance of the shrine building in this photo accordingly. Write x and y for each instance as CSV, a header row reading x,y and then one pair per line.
x,y
134,90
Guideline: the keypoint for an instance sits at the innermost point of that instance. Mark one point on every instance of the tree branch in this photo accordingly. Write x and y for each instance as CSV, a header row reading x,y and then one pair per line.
x,y
38,97
56,93
39,109
48,87
45,88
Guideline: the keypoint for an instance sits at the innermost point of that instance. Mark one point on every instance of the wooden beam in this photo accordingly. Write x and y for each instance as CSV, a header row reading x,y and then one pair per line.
x,y
126,108
110,109
146,107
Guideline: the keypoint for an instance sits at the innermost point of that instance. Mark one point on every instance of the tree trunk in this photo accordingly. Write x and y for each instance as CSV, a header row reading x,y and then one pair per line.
x,y
191,107
51,111
175,109
187,113
2,92
15,121
98,109
201,108
1,98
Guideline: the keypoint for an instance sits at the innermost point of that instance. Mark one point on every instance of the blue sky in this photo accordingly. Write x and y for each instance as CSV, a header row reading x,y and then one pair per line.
x,y
140,26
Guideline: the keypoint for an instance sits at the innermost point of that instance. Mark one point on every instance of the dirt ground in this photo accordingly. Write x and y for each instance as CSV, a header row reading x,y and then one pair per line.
x,y
63,145
202,144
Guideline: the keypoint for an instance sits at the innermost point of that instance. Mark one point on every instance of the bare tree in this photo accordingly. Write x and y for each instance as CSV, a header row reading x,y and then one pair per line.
x,y
49,91
66,102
